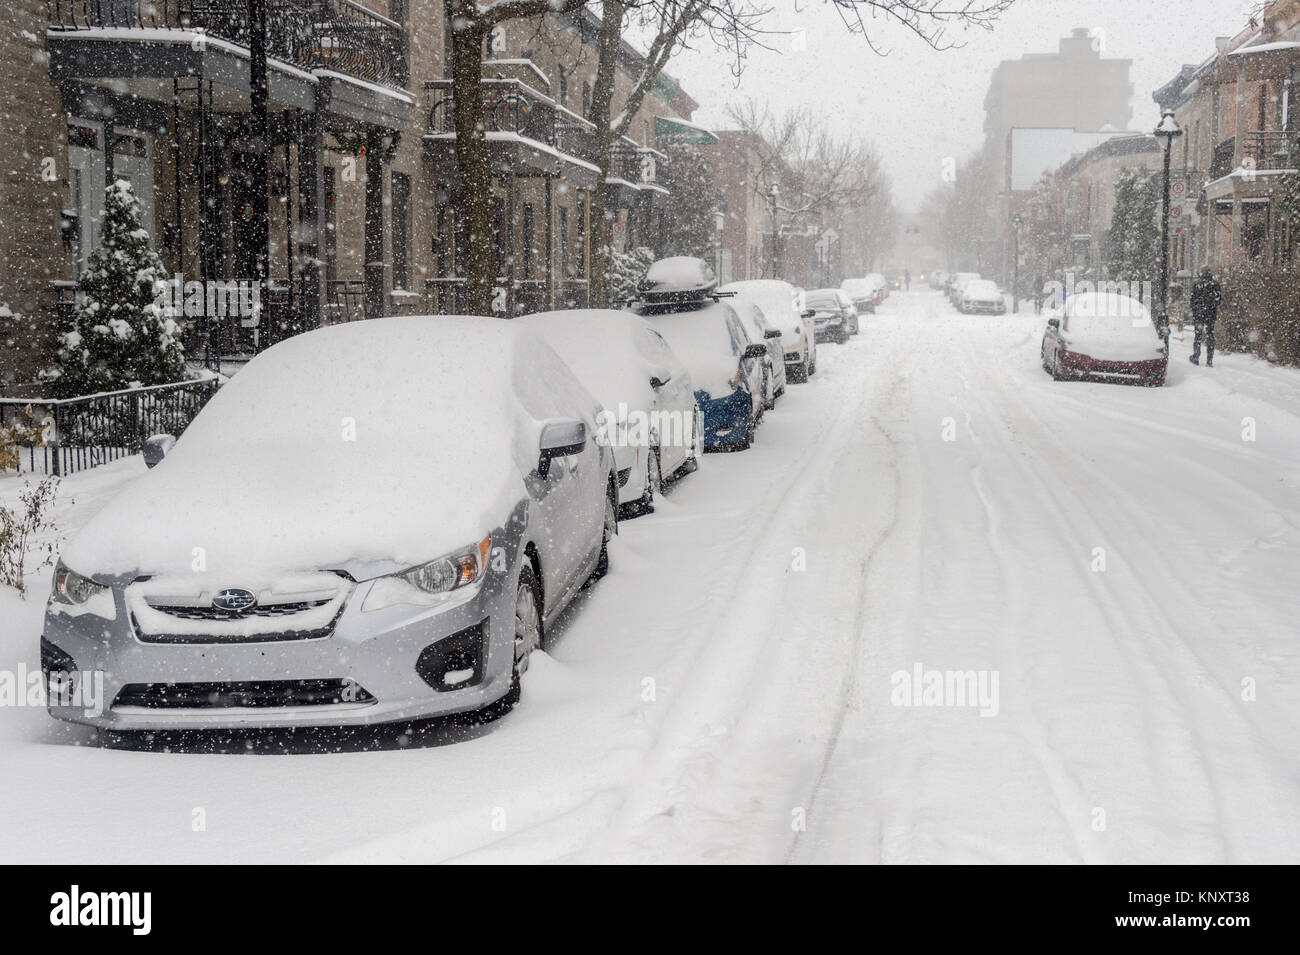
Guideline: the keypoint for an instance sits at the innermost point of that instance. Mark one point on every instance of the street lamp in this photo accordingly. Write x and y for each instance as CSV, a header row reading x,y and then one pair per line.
x,y
1167,131
1015,273
773,201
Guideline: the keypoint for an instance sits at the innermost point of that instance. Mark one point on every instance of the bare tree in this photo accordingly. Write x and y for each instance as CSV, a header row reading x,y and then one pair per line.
x,y
471,21
731,25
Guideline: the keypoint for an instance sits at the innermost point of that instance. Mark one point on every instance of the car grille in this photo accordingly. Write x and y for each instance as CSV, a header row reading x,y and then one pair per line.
x,y
257,610
248,693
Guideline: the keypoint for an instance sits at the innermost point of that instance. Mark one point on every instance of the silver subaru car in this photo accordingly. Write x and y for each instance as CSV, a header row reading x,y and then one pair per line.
x,y
370,523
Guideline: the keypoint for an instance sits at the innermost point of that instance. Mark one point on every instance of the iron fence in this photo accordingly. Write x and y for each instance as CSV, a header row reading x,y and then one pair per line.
x,y
84,432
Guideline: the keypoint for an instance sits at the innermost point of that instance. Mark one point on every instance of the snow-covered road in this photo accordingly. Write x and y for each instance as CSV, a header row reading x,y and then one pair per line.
x,y
1118,564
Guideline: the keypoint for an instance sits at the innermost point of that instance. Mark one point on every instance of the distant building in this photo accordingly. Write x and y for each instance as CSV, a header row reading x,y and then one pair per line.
x,y
1088,187
1045,107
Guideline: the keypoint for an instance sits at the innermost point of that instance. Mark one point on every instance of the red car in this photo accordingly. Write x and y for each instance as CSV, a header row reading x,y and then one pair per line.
x,y
1104,336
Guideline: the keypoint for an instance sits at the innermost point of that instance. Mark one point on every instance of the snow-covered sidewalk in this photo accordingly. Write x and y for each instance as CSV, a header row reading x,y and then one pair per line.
x,y
1119,559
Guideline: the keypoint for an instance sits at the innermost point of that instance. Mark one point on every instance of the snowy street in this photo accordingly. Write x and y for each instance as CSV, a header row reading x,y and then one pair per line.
x,y
1117,565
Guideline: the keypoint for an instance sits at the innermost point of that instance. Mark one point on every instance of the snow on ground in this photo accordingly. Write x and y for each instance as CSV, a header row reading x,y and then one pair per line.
x,y
1120,559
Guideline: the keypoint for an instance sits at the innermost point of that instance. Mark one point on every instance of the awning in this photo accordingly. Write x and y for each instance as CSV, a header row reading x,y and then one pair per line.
x,y
683,131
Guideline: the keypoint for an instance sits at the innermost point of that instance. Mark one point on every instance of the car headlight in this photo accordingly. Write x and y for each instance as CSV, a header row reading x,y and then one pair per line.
x,y
429,582
451,572
72,588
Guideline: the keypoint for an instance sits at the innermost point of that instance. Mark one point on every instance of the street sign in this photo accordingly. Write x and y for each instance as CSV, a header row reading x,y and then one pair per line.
x,y
1175,212
1177,188
619,229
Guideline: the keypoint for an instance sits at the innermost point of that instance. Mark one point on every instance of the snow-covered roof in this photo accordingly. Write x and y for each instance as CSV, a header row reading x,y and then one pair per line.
x,y
1266,47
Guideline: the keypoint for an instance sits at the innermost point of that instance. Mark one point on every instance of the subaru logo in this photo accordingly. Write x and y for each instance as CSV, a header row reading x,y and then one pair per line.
x,y
234,600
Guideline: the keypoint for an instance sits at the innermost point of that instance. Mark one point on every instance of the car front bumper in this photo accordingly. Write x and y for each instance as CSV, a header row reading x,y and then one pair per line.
x,y
398,663
1077,365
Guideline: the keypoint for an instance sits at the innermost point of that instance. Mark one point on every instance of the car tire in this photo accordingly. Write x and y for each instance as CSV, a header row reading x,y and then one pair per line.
x,y
798,373
607,534
529,636
654,479
1056,367
692,463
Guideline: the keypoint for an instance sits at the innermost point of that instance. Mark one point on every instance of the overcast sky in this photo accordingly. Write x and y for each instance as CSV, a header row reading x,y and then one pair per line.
x,y
919,106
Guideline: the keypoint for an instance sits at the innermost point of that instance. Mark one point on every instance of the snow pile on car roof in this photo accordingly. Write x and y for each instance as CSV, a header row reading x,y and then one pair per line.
x,y
388,440
701,340
678,275
775,298
1110,327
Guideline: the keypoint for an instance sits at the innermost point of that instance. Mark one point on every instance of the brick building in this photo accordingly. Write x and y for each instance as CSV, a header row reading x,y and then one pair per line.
x,y
361,197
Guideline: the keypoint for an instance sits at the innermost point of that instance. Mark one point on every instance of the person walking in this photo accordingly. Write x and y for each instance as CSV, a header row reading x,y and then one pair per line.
x,y
907,279
1207,294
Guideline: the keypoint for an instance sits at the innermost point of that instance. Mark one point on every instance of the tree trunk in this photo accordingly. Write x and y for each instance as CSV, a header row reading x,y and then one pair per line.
x,y
602,95
473,162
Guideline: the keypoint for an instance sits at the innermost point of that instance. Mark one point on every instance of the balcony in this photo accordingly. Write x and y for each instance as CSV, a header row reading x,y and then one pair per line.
x,y
1269,148
331,35
528,134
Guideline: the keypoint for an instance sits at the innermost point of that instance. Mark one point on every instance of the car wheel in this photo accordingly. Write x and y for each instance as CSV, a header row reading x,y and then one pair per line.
x,y
607,534
750,427
529,633
798,373
654,480
697,446
1056,366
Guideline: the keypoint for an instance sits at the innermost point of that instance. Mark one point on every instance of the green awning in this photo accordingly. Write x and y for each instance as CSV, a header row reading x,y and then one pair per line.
x,y
683,131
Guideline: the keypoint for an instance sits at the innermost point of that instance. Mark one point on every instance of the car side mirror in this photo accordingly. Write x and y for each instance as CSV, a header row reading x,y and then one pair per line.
x,y
1053,323
772,333
560,439
156,448
755,351
660,377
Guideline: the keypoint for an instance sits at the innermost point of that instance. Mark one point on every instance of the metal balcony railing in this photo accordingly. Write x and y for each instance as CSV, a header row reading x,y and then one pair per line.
x,y
1270,148
337,35
511,106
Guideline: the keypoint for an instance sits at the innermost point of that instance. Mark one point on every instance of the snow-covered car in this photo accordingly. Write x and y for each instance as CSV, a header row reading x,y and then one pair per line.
x,y
833,314
1103,335
938,279
862,293
781,304
982,296
957,284
650,417
676,278
371,522
759,329
881,285
725,364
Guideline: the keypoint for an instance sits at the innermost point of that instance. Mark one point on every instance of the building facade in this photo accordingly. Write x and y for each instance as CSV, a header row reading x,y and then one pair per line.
x,y
362,174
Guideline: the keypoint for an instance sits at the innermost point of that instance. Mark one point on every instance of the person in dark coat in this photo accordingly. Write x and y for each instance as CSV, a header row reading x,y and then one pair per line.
x,y
1207,293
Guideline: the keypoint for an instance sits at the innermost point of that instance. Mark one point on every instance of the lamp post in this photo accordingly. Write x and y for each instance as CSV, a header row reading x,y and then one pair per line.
x,y
1167,131
1016,220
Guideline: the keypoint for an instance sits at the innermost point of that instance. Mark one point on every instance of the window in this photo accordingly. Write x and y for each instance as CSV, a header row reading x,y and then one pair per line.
x,y
401,232
331,220
564,245
500,246
581,264
529,240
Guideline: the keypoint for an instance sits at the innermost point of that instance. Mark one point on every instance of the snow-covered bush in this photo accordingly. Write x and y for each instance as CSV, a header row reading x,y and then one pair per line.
x,y
626,269
121,335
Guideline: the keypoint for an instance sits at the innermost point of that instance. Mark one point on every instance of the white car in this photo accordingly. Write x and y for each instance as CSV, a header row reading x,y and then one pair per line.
x,y
761,330
650,417
957,283
782,306
982,295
